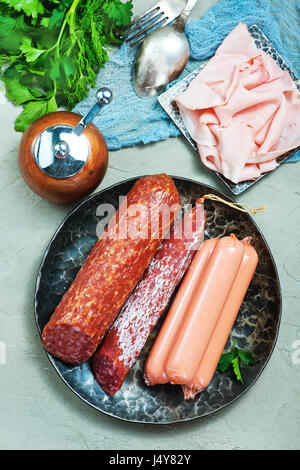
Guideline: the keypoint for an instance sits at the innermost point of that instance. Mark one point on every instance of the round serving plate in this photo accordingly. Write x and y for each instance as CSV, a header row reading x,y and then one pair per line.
x,y
255,329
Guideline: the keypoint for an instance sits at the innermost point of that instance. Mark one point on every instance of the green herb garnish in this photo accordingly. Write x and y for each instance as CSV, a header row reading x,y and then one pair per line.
x,y
230,362
51,51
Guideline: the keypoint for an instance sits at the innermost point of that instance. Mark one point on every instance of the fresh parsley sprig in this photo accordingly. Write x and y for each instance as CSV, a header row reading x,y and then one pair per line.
x,y
230,362
51,50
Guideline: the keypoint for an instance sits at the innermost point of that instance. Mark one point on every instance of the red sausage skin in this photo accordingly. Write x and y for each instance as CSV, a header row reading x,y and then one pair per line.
x,y
112,270
126,338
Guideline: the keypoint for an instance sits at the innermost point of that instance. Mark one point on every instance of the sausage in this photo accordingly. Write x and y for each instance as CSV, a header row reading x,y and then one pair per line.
x,y
185,336
126,338
112,269
201,298
203,310
225,322
155,365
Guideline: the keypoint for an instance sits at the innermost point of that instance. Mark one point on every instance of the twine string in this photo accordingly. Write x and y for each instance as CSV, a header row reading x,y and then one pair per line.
x,y
240,206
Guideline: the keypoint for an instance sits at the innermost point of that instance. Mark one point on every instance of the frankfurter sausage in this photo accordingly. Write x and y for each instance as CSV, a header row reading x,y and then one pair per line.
x,y
193,336
203,310
155,365
127,336
112,269
224,325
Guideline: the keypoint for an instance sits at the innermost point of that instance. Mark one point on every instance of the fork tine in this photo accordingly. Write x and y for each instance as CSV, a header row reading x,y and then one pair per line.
x,y
142,16
135,43
139,25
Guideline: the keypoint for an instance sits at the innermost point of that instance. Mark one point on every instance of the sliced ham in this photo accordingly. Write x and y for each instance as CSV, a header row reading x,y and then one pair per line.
x,y
242,110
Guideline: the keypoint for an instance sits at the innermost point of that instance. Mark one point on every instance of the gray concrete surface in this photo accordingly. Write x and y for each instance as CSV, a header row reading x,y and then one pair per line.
x,y
37,411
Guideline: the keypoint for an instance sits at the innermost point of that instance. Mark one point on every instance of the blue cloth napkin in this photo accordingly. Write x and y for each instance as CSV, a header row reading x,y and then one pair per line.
x,y
130,120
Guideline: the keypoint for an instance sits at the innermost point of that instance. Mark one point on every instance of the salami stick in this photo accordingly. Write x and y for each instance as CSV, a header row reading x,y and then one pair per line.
x,y
112,269
129,333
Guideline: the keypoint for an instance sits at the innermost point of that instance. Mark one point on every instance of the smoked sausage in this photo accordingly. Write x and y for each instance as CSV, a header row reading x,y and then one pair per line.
x,y
127,336
112,269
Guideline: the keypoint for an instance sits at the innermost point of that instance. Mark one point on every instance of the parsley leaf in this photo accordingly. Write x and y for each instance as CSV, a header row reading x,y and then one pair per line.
x,y
225,361
119,13
34,110
18,93
51,51
30,7
31,53
246,357
55,19
236,368
230,362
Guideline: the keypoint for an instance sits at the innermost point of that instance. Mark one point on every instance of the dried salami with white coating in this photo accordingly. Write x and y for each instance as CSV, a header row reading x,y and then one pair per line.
x,y
112,269
129,333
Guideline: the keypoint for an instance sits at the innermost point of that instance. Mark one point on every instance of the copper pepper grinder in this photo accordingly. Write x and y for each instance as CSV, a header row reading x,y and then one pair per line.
x,y
63,156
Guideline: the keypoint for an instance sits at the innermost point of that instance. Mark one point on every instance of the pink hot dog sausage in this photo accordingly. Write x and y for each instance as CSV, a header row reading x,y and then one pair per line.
x,y
155,364
187,349
203,310
224,325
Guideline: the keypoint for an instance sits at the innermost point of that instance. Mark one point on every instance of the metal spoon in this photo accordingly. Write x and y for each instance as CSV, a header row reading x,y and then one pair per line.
x,y
162,56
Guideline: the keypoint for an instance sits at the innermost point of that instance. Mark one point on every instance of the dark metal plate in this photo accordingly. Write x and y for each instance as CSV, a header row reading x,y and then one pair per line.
x,y
256,327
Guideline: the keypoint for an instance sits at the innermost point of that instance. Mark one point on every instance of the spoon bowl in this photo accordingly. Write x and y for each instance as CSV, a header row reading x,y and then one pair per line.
x,y
162,56
160,60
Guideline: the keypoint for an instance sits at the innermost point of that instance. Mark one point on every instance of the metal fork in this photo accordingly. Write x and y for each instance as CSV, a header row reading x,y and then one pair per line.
x,y
161,14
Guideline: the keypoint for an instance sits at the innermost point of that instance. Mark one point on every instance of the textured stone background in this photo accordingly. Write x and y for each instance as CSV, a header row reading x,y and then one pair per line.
x,y
37,411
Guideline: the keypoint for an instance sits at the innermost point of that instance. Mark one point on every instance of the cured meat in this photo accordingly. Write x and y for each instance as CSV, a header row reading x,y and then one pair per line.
x,y
242,110
192,338
139,315
112,269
